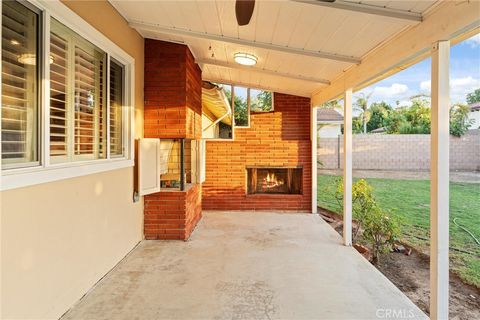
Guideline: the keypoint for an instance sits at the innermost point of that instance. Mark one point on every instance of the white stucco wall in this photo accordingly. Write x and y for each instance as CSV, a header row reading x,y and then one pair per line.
x,y
475,116
329,130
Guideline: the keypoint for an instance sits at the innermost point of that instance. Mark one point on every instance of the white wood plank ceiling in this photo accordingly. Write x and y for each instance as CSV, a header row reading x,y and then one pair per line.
x,y
300,45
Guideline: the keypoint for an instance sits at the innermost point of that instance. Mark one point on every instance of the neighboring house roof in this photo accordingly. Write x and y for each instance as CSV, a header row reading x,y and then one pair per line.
x,y
474,106
329,115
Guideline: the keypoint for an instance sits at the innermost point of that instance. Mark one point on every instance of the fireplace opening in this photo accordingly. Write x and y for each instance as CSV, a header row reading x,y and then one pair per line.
x,y
274,180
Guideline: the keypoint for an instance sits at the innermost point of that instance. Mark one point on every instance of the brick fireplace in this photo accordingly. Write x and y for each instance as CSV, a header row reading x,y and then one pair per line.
x,y
266,180
239,172
172,113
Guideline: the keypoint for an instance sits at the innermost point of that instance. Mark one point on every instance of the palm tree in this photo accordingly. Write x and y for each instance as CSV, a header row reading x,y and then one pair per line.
x,y
361,105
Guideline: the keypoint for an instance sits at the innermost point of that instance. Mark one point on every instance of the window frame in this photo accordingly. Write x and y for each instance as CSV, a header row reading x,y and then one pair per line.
x,y
39,94
232,103
49,172
273,101
248,107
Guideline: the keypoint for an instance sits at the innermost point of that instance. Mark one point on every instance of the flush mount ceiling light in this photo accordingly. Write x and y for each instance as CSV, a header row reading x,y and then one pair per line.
x,y
245,59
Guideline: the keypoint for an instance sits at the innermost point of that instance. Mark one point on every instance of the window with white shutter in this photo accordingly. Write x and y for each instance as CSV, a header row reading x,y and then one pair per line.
x,y
116,108
58,96
77,97
67,103
20,74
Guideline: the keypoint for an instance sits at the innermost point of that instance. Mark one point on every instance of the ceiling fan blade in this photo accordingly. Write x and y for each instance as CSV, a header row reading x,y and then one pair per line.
x,y
244,11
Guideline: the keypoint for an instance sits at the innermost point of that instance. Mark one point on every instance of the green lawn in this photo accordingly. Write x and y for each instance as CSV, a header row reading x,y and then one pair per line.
x,y
409,200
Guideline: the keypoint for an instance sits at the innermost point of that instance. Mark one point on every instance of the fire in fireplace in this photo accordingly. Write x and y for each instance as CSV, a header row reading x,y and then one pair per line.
x,y
274,180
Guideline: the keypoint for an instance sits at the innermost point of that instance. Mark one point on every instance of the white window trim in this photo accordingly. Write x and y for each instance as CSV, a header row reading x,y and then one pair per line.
x,y
46,172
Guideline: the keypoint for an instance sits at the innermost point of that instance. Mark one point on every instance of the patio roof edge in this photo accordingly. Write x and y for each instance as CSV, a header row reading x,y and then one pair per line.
x,y
449,21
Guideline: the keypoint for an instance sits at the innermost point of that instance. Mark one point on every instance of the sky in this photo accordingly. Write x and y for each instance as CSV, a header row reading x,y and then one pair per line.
x,y
464,77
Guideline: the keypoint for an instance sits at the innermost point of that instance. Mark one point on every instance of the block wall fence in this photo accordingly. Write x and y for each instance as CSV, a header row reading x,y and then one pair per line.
x,y
399,152
276,139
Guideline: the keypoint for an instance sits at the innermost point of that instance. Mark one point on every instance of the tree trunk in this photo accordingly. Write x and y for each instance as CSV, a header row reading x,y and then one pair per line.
x,y
364,120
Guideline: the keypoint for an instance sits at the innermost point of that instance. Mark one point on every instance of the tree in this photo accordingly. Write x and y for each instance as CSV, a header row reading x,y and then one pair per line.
x,y
379,114
410,120
262,102
459,121
332,104
357,125
240,108
473,97
361,105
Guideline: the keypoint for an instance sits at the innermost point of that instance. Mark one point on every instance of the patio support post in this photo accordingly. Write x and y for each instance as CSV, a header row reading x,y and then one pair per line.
x,y
439,180
314,135
347,168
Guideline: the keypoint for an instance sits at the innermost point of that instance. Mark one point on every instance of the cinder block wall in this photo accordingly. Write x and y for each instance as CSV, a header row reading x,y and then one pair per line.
x,y
399,152
173,109
279,138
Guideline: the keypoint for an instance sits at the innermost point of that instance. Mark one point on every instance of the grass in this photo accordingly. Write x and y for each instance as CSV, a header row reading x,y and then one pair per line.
x,y
409,201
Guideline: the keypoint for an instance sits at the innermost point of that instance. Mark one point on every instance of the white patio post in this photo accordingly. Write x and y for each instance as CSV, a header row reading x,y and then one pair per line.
x,y
313,131
439,179
347,168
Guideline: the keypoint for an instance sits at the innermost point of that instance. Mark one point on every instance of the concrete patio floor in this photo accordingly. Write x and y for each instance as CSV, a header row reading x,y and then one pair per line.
x,y
244,265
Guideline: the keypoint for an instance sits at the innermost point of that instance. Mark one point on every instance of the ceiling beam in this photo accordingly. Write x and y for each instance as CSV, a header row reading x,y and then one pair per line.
x,y
262,45
368,9
451,20
259,70
256,86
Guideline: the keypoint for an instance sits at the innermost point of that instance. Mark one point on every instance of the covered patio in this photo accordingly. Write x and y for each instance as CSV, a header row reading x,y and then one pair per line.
x,y
153,163
247,265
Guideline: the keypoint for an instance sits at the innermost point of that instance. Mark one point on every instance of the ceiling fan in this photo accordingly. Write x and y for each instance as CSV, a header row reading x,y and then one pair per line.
x,y
244,10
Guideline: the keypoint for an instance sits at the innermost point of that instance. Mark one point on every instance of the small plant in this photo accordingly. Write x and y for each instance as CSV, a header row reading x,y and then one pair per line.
x,y
380,230
362,201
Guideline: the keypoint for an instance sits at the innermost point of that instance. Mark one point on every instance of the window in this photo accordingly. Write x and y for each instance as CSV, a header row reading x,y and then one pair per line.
x,y
177,155
217,101
66,102
241,107
20,72
261,101
116,108
77,97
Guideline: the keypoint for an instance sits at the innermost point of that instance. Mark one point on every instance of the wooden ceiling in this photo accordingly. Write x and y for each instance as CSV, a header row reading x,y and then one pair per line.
x,y
301,46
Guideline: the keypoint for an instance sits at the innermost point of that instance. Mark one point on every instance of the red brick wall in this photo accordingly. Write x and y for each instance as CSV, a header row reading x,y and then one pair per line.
x,y
173,91
173,109
172,215
279,138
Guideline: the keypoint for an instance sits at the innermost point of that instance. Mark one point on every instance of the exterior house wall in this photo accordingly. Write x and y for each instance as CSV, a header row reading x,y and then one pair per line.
x,y
329,130
279,138
173,109
399,152
474,116
60,238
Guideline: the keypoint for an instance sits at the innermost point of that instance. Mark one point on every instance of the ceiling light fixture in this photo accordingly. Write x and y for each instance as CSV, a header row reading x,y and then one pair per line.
x,y
245,59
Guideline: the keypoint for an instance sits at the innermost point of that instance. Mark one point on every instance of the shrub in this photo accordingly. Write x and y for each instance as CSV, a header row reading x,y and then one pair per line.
x,y
362,200
459,121
380,230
